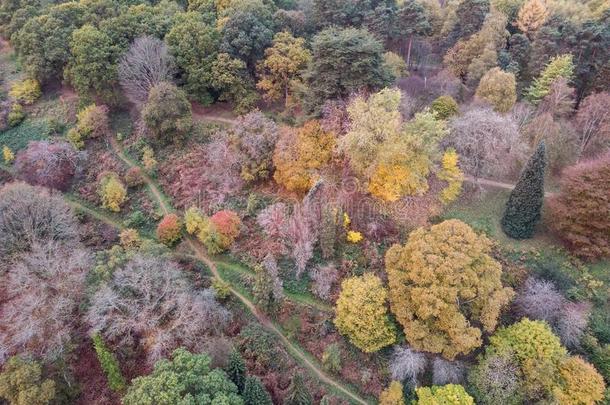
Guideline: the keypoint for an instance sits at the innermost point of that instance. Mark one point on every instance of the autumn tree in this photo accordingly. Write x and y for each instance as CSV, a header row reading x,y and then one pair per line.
x,y
362,313
581,212
523,209
593,124
392,395
444,107
92,122
167,113
560,66
112,192
146,64
532,15
169,229
499,88
299,158
22,383
48,164
231,80
450,173
580,383
448,394
281,69
426,298
495,380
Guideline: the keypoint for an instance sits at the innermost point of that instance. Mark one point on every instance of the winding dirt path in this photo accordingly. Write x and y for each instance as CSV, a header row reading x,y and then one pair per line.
x,y
499,184
199,253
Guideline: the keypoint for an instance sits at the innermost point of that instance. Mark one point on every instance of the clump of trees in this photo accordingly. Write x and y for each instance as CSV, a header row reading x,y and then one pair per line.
x,y
21,383
167,113
48,164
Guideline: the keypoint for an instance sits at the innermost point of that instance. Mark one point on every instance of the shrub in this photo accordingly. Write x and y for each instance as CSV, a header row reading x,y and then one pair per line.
x,y
112,192
15,115
133,177
109,364
395,64
447,372
499,89
449,394
219,231
258,345
92,121
21,383
169,229
48,164
222,289
444,107
451,173
130,239
323,278
496,380
148,159
26,91
331,358
298,394
30,215
7,155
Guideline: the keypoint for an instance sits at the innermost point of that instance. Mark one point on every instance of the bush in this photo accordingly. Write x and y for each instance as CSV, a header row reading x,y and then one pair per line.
x,y
448,394
133,177
112,192
130,239
331,358
407,365
444,107
26,91
169,229
393,395
167,113
219,231
48,164
16,115
93,121
7,155
109,364
21,383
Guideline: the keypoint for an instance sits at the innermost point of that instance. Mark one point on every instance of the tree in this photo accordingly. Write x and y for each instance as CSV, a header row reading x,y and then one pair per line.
x,y
331,358
48,164
298,159
234,84
593,123
7,155
344,61
495,380
281,69
540,300
169,229
522,211
268,289
323,279
92,66
273,219
444,107
451,173
298,394
412,19
558,67
255,392
109,364
21,383
236,370
532,15
92,122
580,383
447,372
140,299
112,192
395,64
300,237
407,365
392,395
361,313
499,89
449,394
580,211
33,215
186,377
425,294
146,64
45,288
167,112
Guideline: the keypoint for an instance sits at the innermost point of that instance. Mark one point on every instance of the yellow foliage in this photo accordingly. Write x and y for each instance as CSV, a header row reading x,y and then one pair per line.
x,y
532,16
430,278
26,91
581,384
346,220
130,239
451,173
389,183
450,394
362,313
112,192
354,236
75,138
194,220
392,395
148,159
8,155
498,88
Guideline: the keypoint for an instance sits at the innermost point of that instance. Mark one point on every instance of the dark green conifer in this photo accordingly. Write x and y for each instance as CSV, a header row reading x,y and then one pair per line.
x,y
524,205
236,369
255,392
298,393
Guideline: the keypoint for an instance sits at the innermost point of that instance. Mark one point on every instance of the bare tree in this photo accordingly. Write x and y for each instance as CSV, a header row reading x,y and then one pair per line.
x,y
149,301
560,100
45,288
324,277
447,372
593,122
496,380
270,266
407,364
273,219
29,215
146,63
488,143
301,238
539,299
572,323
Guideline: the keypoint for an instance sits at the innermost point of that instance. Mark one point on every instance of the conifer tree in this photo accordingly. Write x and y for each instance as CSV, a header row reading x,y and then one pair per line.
x,y
559,66
236,370
532,16
298,393
255,392
525,202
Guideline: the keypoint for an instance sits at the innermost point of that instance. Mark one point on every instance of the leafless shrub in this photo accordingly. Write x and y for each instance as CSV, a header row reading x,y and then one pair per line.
x,y
45,288
30,214
496,380
447,372
539,299
146,63
522,113
572,323
488,143
149,301
270,266
273,219
301,238
323,279
406,364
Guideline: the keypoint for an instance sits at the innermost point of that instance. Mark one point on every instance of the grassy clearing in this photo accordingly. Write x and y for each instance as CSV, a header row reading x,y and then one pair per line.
x,y
18,137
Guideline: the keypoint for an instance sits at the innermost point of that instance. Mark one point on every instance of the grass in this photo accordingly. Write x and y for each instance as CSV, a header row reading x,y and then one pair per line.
x,y
18,137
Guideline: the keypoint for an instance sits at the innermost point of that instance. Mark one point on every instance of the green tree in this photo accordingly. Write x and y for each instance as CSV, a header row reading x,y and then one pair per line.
x,y
559,66
231,80
186,378
167,112
499,88
444,107
255,392
109,364
92,67
412,19
21,383
281,69
522,211
236,369
344,61
298,394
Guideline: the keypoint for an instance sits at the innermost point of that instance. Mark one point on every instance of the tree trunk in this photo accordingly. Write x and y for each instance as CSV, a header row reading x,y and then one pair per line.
x,y
409,52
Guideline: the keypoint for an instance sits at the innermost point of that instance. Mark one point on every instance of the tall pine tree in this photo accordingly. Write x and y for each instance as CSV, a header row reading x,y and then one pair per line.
x,y
255,392
298,393
523,208
236,370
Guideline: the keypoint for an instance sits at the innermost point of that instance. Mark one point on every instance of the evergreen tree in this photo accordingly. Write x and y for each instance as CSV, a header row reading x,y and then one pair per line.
x,y
525,202
298,393
255,392
236,369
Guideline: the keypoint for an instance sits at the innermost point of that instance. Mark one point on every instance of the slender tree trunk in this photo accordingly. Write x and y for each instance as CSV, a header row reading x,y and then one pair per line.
x,y
409,51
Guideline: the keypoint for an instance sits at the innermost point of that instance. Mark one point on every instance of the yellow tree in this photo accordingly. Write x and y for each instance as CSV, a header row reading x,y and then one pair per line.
x,y
112,192
442,283
532,16
451,173
361,313
392,395
580,383
281,69
499,89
